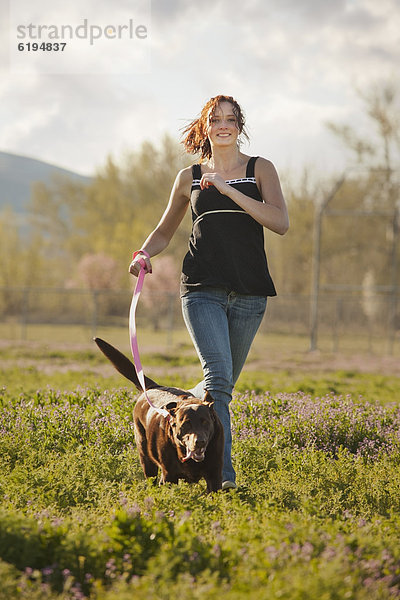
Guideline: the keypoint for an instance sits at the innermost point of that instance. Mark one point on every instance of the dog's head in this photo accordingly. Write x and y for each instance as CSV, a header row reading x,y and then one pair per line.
x,y
192,426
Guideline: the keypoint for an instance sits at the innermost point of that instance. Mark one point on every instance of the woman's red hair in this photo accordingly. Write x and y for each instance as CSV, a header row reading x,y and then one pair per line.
x,y
195,139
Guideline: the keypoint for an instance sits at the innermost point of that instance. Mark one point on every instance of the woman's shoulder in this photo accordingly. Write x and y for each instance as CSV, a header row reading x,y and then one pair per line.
x,y
186,172
183,181
264,166
185,176
263,162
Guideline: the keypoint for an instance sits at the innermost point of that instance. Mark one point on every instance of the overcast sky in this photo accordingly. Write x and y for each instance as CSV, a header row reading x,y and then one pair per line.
x,y
291,64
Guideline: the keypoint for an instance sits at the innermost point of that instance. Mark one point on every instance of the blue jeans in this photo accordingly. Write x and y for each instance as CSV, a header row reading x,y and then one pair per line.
x,y
222,326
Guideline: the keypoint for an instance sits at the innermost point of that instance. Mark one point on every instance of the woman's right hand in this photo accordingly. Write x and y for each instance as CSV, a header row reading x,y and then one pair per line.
x,y
140,260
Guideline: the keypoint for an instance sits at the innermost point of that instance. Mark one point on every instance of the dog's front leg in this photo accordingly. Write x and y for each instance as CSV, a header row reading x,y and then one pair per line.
x,y
150,469
149,466
168,477
214,483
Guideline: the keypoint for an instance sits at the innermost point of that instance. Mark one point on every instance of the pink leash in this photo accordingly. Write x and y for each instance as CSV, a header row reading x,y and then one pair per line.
x,y
133,334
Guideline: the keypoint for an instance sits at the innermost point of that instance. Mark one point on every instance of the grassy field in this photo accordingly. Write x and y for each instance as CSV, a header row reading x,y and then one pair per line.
x,y
316,515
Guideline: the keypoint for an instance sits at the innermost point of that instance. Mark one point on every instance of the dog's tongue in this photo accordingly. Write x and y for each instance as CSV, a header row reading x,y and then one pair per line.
x,y
189,454
198,457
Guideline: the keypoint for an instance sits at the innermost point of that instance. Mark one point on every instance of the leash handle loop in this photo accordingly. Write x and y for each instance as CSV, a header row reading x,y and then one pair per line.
x,y
133,334
141,261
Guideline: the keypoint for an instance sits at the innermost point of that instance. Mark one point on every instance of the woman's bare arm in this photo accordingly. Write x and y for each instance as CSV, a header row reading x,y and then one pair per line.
x,y
161,236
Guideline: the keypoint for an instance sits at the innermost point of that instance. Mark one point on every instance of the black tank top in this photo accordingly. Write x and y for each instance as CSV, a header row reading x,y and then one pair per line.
x,y
226,246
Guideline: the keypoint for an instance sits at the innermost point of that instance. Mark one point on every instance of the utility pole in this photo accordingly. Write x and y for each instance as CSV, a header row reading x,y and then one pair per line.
x,y
394,278
316,262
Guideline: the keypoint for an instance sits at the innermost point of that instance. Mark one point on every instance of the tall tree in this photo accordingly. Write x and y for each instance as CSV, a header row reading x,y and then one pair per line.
x,y
381,148
113,214
368,238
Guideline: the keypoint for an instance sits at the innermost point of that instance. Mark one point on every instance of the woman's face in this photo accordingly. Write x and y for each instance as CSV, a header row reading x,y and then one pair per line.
x,y
222,126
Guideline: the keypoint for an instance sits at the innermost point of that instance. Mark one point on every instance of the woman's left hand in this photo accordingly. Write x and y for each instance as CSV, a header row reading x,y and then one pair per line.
x,y
216,180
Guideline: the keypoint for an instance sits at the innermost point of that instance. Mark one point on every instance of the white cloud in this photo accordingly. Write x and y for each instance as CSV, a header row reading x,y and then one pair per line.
x,y
293,65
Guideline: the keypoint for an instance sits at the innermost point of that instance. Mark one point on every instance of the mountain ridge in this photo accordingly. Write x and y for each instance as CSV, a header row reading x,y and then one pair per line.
x,y
18,173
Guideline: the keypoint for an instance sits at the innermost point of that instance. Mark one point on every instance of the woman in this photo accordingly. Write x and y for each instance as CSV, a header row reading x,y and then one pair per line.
x,y
225,279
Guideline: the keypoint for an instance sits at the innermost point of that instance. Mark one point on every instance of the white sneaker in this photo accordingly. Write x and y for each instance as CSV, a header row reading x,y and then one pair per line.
x,y
229,485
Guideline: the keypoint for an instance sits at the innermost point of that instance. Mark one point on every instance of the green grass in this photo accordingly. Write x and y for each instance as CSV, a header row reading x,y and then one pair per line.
x,y
49,367
56,356
371,386
315,517
376,388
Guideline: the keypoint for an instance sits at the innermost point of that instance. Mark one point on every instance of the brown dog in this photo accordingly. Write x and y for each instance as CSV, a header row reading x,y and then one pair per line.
x,y
188,445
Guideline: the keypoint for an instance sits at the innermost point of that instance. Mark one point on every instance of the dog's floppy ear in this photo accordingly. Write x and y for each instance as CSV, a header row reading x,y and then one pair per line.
x,y
123,364
208,399
171,408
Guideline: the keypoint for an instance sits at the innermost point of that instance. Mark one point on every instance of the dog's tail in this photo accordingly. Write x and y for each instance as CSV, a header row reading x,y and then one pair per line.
x,y
123,364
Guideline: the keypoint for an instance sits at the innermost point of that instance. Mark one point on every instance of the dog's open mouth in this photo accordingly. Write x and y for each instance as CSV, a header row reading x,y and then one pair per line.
x,y
197,455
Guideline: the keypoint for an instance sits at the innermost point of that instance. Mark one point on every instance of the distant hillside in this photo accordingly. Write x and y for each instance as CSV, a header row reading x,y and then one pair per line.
x,y
18,173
